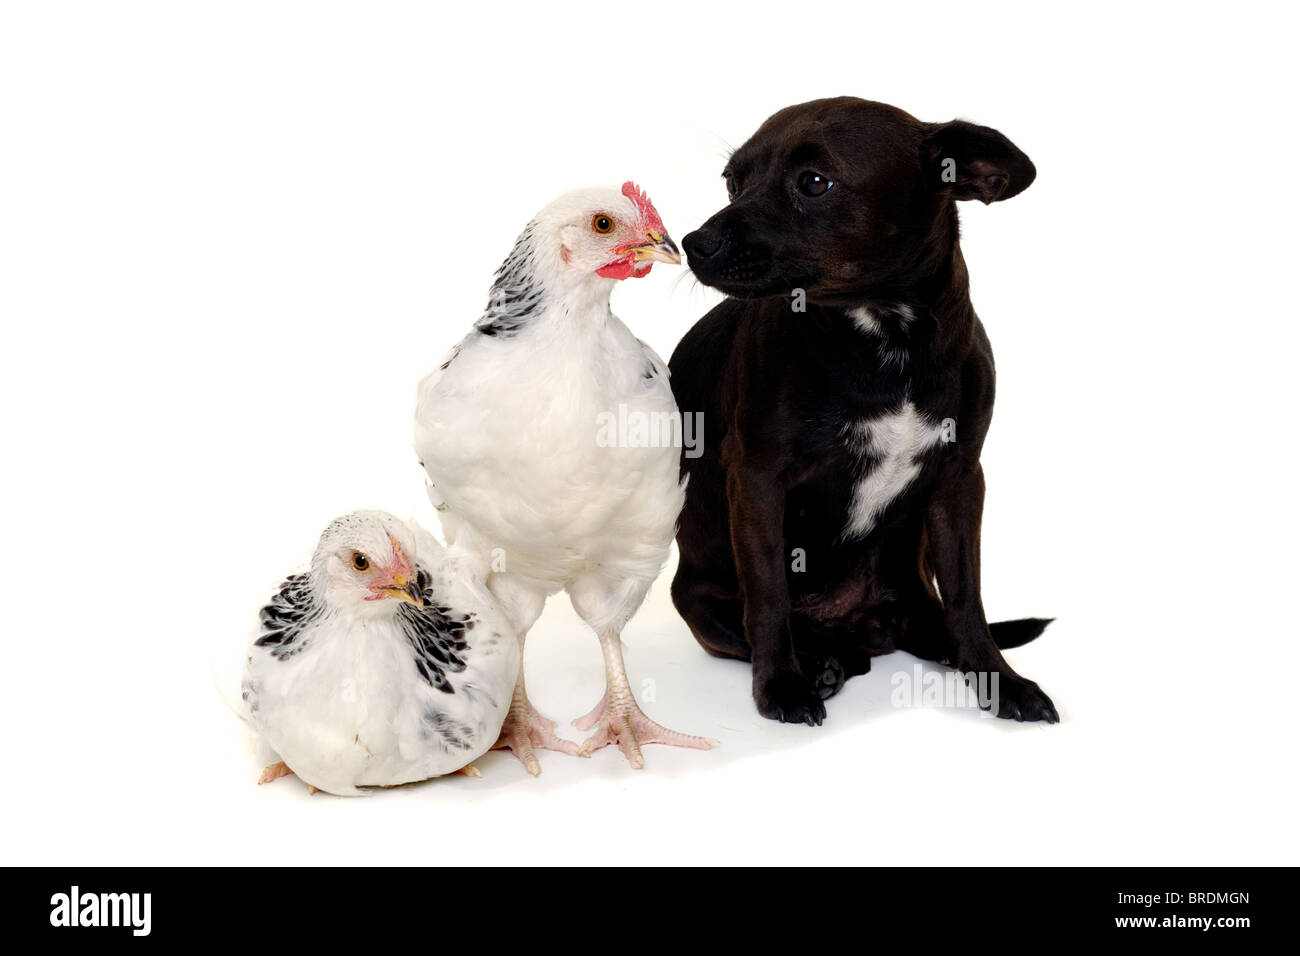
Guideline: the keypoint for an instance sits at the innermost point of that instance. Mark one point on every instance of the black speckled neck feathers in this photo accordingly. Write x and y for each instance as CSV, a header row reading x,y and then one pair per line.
x,y
517,295
438,636
285,620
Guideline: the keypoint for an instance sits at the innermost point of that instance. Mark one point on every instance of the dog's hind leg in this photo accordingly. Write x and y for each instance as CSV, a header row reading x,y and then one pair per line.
x,y
926,635
714,614
828,656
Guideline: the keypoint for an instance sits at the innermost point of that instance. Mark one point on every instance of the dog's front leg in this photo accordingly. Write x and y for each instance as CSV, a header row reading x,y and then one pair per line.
x,y
953,531
756,500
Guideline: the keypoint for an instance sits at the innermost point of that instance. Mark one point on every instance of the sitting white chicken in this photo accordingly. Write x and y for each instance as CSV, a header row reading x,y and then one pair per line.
x,y
514,432
385,662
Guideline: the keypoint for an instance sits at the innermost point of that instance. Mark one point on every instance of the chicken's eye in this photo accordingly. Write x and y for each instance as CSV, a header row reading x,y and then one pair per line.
x,y
602,224
813,184
360,561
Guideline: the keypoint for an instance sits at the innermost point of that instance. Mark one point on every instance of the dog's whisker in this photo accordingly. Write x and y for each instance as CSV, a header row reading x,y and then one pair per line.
x,y
686,275
682,277
721,147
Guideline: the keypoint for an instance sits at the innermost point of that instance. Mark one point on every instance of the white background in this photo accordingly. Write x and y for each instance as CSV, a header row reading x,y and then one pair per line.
x,y
233,236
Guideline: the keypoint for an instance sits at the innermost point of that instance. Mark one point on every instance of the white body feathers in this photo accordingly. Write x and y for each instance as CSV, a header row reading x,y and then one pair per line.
x,y
508,434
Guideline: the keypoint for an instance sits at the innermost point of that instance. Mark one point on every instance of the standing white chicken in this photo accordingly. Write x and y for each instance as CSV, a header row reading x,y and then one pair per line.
x,y
509,431
385,662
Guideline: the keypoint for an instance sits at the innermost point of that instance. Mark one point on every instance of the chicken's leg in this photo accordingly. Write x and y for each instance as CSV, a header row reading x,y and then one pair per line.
x,y
277,770
618,718
525,728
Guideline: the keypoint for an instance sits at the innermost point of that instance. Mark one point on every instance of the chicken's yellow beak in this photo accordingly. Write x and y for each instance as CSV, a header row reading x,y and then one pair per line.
x,y
660,248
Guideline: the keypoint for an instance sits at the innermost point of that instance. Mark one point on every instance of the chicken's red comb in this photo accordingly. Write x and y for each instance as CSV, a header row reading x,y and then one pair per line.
x,y
649,215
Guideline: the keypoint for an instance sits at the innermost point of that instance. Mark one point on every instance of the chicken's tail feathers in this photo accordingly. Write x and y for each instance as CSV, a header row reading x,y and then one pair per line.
x,y
1008,634
435,497
223,691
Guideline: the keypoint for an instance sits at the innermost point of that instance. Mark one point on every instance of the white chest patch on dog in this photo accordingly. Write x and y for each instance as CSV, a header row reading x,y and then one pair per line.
x,y
889,449
870,324
865,321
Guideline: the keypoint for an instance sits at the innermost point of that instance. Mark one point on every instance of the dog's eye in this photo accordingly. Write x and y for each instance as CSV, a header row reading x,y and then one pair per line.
x,y
813,184
602,224
732,186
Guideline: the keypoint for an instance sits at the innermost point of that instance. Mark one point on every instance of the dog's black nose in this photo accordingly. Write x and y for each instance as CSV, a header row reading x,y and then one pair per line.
x,y
701,244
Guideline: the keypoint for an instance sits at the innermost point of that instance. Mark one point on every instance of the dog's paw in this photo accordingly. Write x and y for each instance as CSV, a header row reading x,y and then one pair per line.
x,y
790,698
826,673
1020,699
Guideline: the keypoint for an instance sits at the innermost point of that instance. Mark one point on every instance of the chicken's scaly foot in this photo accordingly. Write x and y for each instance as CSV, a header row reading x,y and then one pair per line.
x,y
274,772
277,770
618,718
525,728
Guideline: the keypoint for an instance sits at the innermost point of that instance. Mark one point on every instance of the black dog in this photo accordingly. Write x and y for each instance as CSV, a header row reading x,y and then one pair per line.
x,y
835,512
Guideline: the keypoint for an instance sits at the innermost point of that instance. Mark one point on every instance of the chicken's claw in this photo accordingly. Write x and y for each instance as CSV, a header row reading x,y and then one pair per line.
x,y
525,728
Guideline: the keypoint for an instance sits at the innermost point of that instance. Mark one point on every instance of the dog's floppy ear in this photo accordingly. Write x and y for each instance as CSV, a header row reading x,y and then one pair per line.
x,y
974,162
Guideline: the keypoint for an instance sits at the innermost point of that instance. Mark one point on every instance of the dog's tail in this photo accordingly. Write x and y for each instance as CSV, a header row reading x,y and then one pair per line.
x,y
927,638
1014,633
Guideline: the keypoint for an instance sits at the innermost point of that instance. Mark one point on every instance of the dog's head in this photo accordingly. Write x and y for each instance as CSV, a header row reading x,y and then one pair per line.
x,y
848,200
